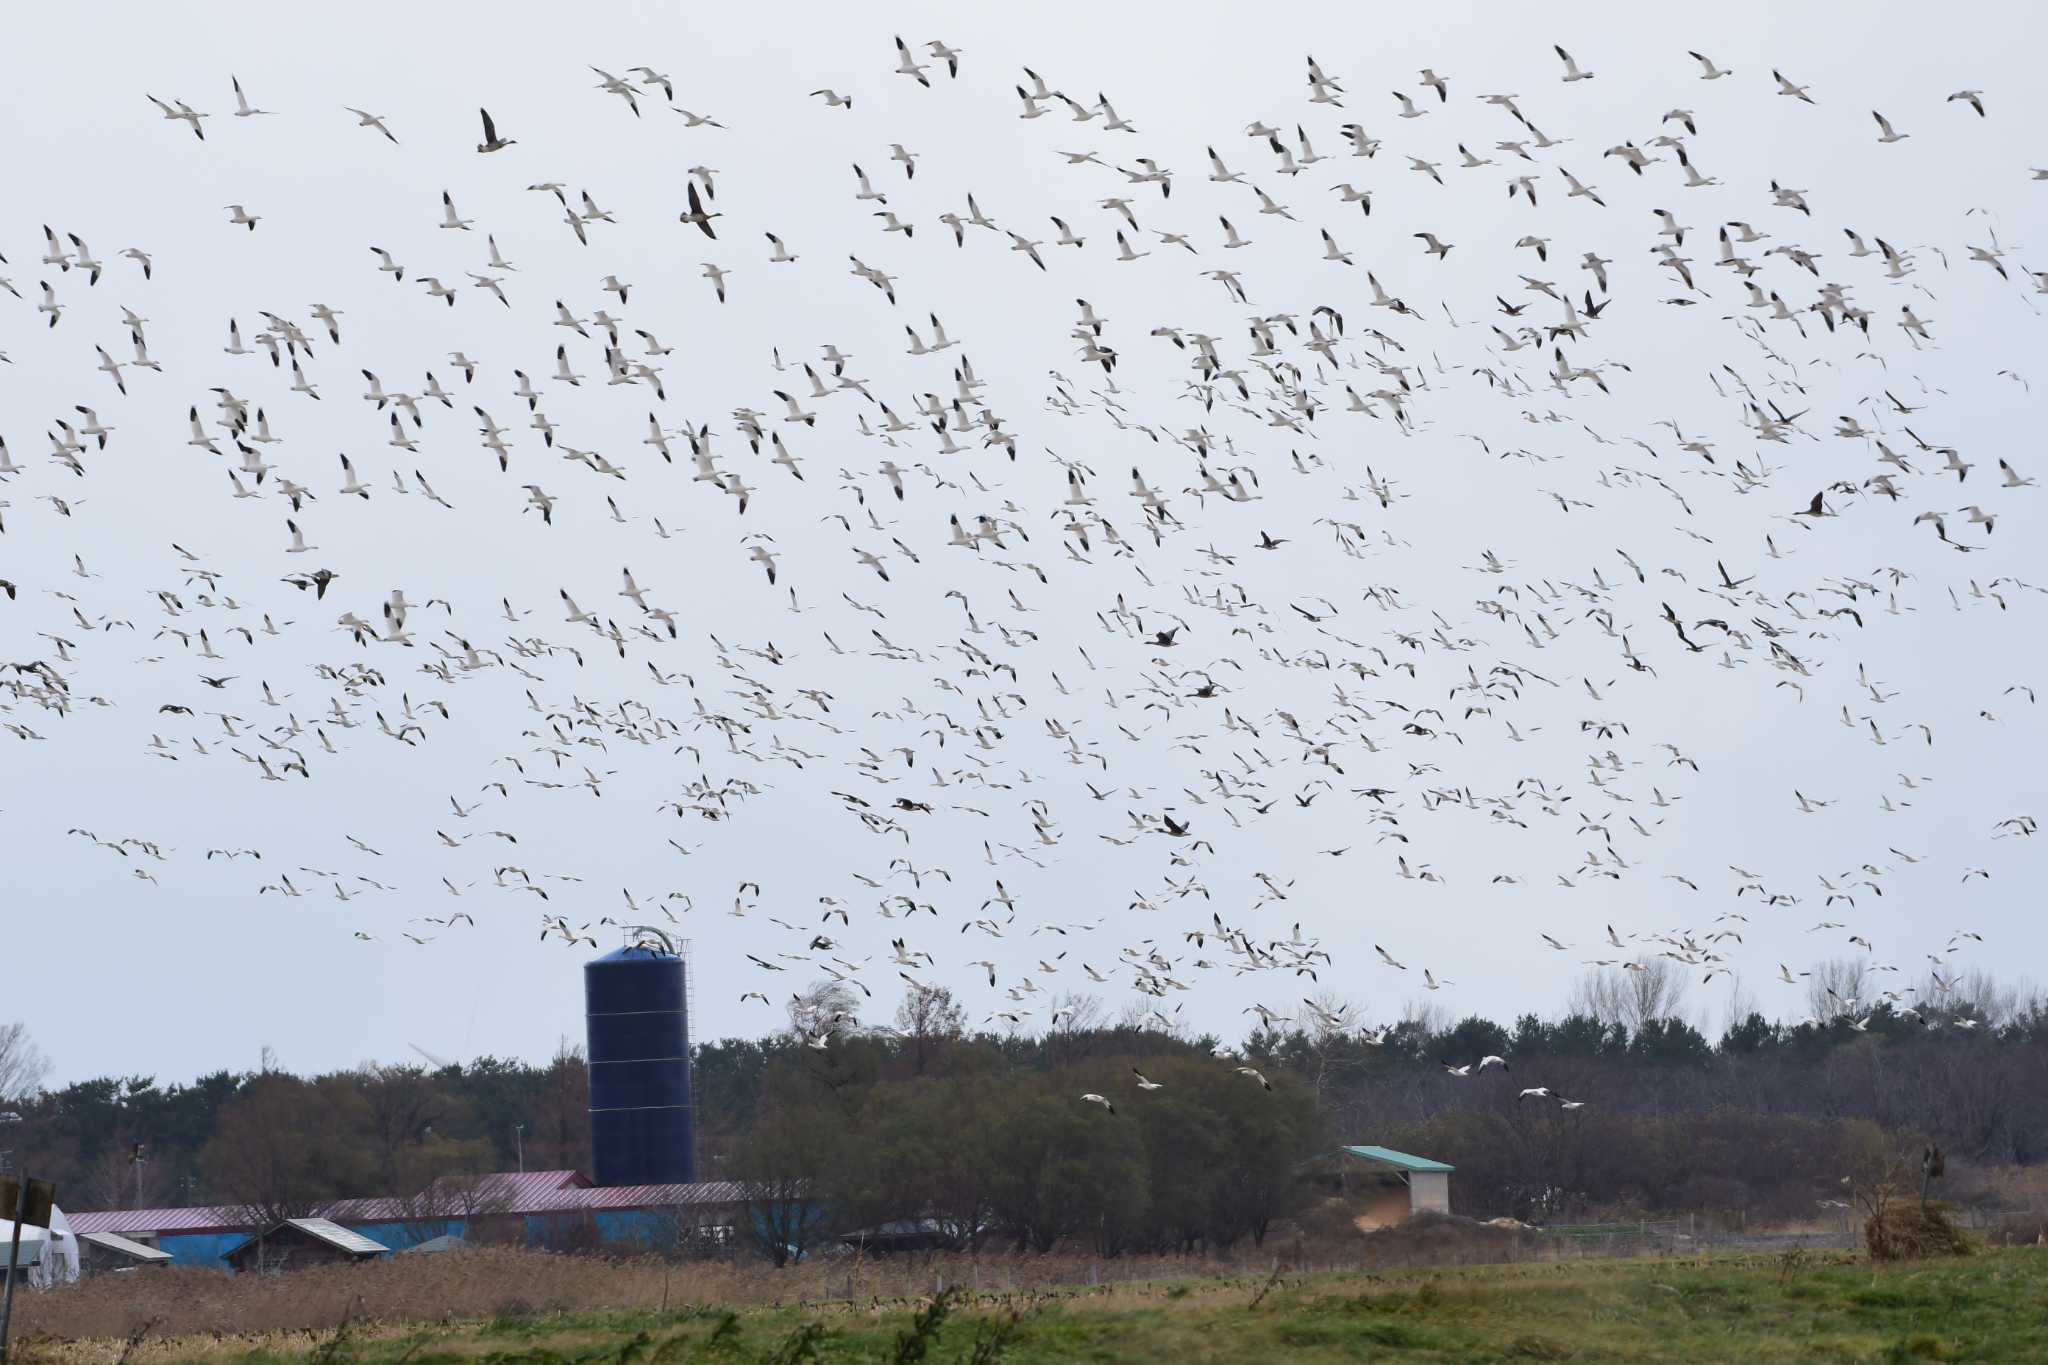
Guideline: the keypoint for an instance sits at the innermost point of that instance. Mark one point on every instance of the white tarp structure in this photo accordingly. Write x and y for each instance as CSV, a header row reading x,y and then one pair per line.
x,y
47,1256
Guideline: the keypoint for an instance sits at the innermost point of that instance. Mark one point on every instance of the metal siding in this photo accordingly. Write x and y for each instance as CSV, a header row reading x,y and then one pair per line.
x,y
636,1227
513,1191
404,1236
167,1221
335,1235
201,1248
641,1123
200,1236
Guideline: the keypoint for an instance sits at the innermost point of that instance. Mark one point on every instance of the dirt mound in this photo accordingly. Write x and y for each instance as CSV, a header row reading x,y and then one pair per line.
x,y
1446,1239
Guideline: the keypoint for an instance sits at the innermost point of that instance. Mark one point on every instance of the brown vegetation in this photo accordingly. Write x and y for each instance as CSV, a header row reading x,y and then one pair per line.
x,y
1904,1231
508,1284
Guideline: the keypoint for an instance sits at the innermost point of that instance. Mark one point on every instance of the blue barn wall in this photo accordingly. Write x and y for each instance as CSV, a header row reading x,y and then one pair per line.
x,y
622,1229
399,1236
201,1248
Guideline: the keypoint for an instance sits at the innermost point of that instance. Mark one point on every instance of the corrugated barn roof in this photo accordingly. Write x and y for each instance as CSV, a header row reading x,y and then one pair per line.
x,y
505,1192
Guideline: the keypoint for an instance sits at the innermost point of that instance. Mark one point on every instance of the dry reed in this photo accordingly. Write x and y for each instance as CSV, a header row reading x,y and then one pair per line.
x,y
484,1284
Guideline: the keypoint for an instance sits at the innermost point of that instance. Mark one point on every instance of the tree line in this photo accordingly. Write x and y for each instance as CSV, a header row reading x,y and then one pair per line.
x,y
981,1138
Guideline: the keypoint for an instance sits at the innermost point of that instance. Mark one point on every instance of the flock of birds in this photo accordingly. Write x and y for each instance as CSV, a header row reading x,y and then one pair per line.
x,y
1161,618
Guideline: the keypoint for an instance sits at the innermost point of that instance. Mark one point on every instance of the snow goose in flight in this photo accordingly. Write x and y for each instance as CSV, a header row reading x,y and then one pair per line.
x,y
1974,98
369,120
617,85
907,65
449,219
650,77
112,368
241,217
1144,1083
182,113
1255,1074
1571,68
1580,191
1092,1098
83,260
242,106
834,100
1786,87
1708,71
1885,133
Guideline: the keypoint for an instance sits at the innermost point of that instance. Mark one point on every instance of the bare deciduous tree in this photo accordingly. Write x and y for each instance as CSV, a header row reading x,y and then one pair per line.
x,y
118,1181
1839,986
1630,996
827,1009
1425,1016
22,1066
928,1019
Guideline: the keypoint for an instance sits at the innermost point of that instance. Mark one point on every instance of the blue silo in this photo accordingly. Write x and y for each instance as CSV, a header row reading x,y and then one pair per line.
x,y
641,1125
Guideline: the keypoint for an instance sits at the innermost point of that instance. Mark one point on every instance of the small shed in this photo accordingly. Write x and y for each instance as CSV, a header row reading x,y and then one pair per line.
x,y
1401,1185
297,1243
100,1252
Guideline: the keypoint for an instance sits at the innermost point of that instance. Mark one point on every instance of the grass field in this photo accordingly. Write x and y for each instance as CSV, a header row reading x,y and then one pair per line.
x,y
1800,1307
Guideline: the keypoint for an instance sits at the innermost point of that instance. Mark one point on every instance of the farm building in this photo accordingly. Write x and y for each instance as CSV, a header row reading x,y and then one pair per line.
x,y
100,1252
297,1243
1396,1185
642,1192
560,1210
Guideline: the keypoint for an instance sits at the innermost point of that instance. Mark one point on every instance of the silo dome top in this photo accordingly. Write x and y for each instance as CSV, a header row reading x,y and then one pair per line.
x,y
635,953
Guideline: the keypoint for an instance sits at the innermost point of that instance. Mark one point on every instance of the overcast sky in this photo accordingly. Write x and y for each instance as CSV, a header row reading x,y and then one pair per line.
x,y
199,968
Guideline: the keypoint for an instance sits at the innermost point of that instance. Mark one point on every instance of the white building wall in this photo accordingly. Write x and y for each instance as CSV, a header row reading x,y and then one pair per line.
x,y
1429,1191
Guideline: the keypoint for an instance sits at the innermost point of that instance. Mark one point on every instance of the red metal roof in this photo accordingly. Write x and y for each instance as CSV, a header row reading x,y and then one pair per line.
x,y
507,1192
647,1196
513,1191
156,1220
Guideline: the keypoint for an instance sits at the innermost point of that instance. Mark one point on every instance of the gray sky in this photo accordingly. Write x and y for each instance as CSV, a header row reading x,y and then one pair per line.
x,y
215,969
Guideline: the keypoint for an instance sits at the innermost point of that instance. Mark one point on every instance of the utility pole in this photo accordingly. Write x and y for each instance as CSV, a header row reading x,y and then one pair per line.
x,y
519,1144
28,1201
138,1160
19,1212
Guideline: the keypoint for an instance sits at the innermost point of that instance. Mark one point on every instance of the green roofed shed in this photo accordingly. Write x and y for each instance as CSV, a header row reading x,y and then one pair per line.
x,y
1391,1186
1400,1161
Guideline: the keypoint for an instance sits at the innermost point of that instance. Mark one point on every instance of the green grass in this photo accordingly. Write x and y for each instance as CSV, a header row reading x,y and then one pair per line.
x,y
1990,1307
